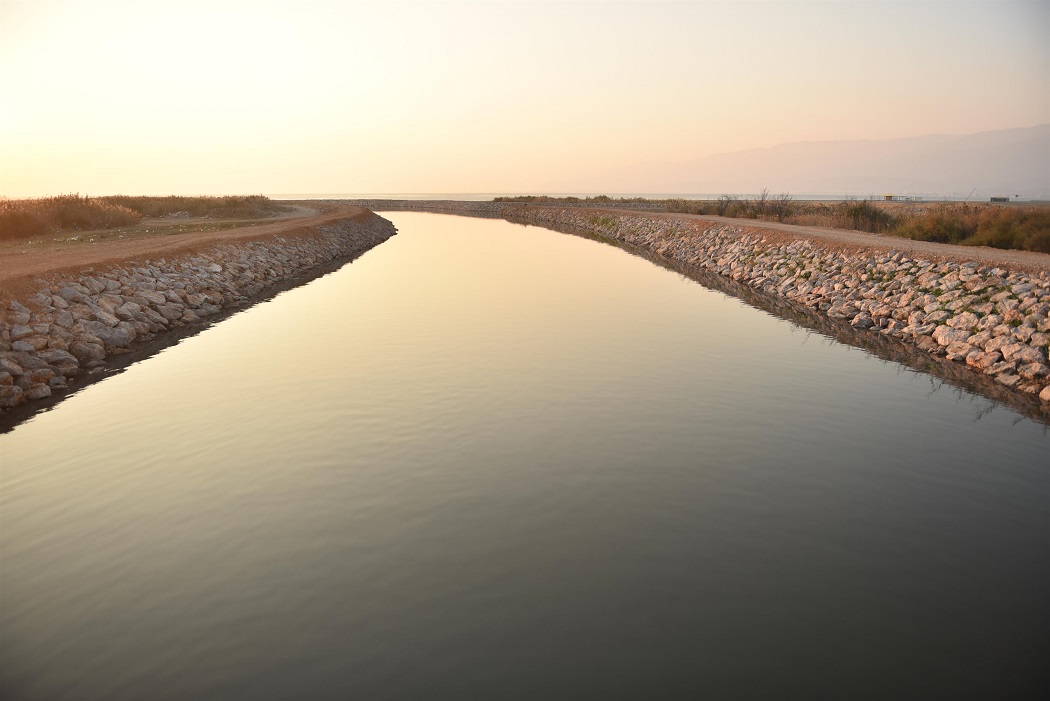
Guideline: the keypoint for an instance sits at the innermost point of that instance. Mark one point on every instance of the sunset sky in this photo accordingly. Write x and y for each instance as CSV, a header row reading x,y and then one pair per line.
x,y
162,97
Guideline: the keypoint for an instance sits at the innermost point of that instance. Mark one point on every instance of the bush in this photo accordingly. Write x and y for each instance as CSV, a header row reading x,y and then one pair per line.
x,y
249,206
18,223
48,215
865,216
52,215
1003,227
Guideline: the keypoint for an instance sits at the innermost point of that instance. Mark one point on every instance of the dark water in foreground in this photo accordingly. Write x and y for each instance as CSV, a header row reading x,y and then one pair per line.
x,y
485,461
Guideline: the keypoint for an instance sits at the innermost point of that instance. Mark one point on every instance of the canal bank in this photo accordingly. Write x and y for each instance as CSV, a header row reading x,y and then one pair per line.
x,y
970,307
78,324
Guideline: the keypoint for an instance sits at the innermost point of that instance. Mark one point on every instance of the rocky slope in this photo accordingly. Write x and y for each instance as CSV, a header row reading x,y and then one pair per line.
x,y
77,323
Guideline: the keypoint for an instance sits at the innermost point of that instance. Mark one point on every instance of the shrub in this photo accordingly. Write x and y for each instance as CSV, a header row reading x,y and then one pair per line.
x,y
47,215
51,215
1013,227
865,216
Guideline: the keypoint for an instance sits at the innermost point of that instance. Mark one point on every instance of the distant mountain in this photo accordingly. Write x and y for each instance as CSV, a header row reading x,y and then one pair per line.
x,y
1006,162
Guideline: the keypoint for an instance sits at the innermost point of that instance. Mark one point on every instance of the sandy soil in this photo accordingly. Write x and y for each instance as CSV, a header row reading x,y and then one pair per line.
x,y
840,239
21,264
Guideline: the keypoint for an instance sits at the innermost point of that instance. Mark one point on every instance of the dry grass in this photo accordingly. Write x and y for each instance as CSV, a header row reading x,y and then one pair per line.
x,y
47,215
33,218
976,224
227,207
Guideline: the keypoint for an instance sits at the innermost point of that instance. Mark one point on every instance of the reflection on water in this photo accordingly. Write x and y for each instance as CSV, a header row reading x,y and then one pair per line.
x,y
485,460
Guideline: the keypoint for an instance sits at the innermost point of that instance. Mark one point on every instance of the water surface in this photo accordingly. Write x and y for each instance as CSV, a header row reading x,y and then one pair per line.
x,y
493,461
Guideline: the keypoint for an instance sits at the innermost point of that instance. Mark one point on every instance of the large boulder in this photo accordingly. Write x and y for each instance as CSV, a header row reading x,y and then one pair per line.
x,y
111,336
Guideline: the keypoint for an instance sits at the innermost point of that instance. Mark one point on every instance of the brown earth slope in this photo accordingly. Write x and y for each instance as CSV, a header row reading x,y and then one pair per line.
x,y
21,264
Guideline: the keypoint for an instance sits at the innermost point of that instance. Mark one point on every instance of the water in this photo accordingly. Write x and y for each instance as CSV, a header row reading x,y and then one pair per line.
x,y
489,196
490,461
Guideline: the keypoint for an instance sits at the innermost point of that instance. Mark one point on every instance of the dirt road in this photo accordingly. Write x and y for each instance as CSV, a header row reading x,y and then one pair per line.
x,y
856,240
21,265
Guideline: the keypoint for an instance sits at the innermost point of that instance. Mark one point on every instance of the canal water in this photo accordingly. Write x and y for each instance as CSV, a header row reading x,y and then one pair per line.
x,y
492,461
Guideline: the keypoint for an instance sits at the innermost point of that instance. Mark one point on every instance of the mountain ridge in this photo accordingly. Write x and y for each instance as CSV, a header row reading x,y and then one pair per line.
x,y
1005,162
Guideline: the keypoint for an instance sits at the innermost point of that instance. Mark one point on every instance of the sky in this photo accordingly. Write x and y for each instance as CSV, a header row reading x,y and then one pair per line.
x,y
164,97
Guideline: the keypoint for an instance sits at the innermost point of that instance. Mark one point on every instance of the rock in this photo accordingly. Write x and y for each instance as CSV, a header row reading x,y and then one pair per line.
x,y
128,311
6,378
937,317
86,352
1024,333
81,312
64,319
1022,353
70,295
154,317
946,335
10,366
41,376
58,382
28,345
18,331
862,321
152,297
66,363
11,396
984,360
1045,394
17,308
171,312
1033,371
106,318
997,342
966,320
29,361
958,350
1000,368
93,286
927,344
1008,379
111,336
109,303
38,392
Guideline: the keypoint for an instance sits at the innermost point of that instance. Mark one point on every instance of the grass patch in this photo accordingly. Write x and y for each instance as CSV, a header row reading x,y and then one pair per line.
x,y
49,216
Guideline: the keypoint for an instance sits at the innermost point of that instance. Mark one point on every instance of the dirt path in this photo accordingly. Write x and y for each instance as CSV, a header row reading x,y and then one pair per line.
x,y
20,266
841,239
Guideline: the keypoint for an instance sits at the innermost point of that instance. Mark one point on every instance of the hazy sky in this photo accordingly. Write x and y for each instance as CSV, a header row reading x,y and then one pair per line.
x,y
161,97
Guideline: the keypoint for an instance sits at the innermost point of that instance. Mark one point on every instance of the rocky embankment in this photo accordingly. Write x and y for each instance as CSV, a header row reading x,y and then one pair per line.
x,y
988,320
76,323
481,208
992,319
